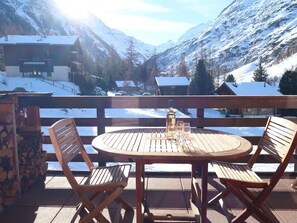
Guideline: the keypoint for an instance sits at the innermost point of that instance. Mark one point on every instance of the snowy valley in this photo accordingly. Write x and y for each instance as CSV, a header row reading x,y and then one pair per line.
x,y
241,34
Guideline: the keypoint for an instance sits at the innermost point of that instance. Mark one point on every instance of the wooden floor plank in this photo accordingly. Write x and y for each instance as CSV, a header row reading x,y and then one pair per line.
x,y
54,201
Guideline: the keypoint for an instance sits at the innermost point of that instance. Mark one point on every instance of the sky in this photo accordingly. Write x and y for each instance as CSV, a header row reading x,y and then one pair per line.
x,y
151,21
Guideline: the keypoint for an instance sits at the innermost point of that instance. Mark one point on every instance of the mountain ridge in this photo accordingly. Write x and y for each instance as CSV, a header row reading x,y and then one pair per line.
x,y
241,34
38,17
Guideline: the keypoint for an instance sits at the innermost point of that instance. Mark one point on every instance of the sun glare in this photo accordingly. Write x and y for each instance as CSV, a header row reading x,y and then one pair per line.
x,y
74,9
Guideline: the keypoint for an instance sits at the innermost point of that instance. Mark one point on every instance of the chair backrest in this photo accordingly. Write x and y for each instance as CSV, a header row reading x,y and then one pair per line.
x,y
279,140
67,145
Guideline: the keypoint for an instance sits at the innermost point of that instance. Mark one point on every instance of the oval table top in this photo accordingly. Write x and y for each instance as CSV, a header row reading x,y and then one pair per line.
x,y
151,144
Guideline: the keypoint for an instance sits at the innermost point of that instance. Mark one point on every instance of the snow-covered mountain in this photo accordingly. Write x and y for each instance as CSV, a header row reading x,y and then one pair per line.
x,y
193,32
40,17
244,31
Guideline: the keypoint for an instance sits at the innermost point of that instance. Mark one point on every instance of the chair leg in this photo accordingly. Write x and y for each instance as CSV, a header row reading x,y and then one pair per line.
x,y
247,198
95,212
268,213
129,211
243,216
118,216
260,216
219,196
87,217
260,209
99,217
125,205
79,209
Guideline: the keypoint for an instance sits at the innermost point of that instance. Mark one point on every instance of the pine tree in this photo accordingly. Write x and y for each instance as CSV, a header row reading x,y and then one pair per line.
x,y
111,83
288,83
131,60
154,71
2,66
230,78
182,69
202,83
260,73
143,75
288,86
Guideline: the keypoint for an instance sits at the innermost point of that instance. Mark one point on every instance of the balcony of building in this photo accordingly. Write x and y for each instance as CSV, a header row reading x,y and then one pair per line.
x,y
50,199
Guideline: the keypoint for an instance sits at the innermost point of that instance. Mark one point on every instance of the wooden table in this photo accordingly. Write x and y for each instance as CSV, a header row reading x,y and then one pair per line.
x,y
149,145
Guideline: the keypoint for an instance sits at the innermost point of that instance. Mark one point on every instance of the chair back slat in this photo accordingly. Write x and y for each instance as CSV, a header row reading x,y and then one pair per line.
x,y
278,138
67,139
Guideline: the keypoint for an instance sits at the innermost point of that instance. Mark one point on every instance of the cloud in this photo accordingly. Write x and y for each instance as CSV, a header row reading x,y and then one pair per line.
x,y
126,6
141,23
155,19
206,8
147,29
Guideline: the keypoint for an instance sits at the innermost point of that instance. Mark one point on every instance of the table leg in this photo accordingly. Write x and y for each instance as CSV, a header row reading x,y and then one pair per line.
x,y
139,191
200,192
204,184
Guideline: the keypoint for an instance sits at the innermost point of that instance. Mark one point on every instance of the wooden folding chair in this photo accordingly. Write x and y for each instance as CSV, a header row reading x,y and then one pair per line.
x,y
107,183
278,140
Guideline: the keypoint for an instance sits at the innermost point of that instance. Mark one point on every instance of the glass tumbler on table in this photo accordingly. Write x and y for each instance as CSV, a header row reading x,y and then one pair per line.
x,y
179,129
186,132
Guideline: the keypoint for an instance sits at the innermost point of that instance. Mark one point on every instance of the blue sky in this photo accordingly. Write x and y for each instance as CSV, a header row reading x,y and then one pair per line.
x,y
152,21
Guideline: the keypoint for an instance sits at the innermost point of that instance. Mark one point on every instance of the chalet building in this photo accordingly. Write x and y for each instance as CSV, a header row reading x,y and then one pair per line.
x,y
249,89
172,85
128,86
52,57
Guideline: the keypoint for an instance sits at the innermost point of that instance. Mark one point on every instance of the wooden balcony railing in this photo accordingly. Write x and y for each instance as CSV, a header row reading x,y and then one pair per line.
x,y
100,121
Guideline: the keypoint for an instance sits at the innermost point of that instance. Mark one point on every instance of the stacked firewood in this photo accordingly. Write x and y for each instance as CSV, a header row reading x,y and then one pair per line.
x,y
22,159
32,158
9,185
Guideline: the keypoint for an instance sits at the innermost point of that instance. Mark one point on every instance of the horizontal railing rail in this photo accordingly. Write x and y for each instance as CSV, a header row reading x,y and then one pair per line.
x,y
100,121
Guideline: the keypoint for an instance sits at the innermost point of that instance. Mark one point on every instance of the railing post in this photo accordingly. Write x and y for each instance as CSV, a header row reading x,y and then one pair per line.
x,y
294,183
200,115
100,122
295,163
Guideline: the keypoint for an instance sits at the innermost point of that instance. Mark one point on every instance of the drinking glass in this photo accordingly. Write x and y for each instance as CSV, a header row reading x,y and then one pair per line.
x,y
179,129
186,131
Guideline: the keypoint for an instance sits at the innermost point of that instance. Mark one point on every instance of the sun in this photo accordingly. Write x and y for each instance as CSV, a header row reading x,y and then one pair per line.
x,y
74,9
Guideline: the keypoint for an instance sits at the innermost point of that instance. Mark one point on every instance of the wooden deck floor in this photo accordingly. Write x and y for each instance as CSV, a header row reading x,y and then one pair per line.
x,y
54,201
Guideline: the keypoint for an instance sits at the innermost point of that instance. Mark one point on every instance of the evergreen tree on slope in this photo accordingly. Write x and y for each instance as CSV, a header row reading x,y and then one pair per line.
x,y
182,69
288,86
288,83
230,78
260,73
202,83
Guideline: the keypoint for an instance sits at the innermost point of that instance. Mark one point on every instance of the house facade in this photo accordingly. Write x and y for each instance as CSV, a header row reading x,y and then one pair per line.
x,y
51,57
172,85
249,89
128,86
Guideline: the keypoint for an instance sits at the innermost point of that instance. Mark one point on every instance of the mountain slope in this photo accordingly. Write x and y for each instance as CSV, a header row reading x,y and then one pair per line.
x,y
193,32
243,32
39,17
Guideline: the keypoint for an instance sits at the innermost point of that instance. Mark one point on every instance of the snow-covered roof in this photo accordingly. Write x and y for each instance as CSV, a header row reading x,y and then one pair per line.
x,y
172,81
51,40
252,88
125,84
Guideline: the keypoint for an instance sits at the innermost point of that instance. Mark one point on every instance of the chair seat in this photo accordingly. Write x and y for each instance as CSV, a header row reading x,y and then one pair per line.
x,y
238,174
107,178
